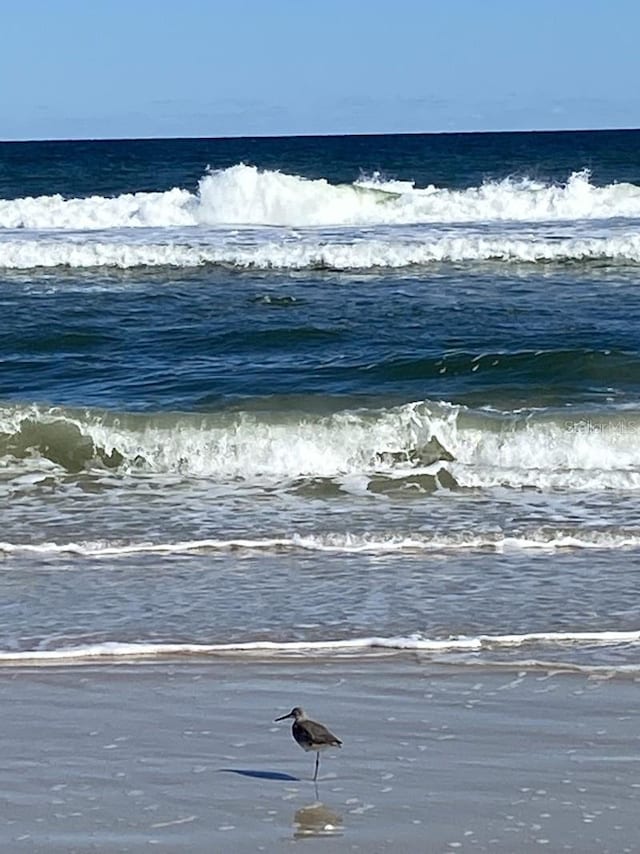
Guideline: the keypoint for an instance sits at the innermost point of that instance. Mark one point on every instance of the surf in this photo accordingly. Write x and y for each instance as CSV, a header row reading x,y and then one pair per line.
x,y
246,195
366,252
484,649
427,445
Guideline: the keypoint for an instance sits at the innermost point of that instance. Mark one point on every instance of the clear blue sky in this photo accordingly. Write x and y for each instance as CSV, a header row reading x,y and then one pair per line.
x,y
125,68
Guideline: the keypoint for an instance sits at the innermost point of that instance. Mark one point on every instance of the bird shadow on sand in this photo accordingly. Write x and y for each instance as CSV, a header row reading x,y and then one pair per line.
x,y
260,775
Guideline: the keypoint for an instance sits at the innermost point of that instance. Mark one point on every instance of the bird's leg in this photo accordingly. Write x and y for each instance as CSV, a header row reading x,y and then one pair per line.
x,y
315,776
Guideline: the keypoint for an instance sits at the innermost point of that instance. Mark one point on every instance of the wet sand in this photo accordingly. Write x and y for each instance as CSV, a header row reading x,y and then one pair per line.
x,y
181,756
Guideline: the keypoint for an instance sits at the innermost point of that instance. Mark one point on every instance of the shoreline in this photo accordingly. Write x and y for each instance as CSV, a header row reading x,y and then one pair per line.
x,y
173,755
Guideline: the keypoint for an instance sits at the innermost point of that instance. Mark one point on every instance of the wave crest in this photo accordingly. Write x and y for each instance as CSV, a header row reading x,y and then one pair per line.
x,y
111,650
545,539
358,254
421,445
247,195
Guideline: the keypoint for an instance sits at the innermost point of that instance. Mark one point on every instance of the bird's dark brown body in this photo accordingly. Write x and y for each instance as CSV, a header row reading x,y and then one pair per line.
x,y
310,735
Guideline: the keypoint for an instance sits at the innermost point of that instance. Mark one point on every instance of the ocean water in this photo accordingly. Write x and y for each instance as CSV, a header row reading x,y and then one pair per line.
x,y
322,395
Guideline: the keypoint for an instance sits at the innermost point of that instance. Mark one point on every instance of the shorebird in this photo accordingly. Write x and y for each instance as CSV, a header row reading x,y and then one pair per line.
x,y
310,735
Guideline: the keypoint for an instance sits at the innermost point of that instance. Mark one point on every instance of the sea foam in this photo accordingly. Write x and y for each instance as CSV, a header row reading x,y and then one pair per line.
x,y
474,448
246,195
546,539
111,650
357,254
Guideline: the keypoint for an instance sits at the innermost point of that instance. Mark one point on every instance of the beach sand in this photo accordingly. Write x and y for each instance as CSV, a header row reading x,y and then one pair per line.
x,y
178,756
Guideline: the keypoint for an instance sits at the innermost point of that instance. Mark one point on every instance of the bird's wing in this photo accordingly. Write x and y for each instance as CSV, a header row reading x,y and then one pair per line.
x,y
321,734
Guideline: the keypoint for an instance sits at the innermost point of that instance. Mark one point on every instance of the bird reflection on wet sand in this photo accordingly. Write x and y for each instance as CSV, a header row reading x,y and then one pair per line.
x,y
316,820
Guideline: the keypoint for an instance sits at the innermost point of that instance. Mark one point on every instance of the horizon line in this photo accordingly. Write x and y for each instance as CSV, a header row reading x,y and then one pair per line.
x,y
315,135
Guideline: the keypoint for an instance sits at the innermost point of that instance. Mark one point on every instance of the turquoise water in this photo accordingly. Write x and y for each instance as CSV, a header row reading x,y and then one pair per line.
x,y
313,390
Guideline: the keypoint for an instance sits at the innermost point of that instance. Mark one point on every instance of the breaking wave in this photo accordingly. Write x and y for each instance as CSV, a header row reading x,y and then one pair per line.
x,y
537,539
246,195
120,651
287,254
420,446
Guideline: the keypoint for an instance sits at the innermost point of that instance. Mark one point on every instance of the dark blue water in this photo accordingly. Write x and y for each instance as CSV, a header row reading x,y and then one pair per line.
x,y
359,358
200,341
459,160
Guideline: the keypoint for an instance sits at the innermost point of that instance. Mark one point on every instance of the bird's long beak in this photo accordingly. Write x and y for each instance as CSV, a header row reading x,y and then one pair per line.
x,y
284,717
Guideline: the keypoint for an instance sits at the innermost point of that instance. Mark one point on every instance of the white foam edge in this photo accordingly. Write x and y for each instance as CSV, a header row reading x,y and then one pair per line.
x,y
245,195
342,544
121,651
27,254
